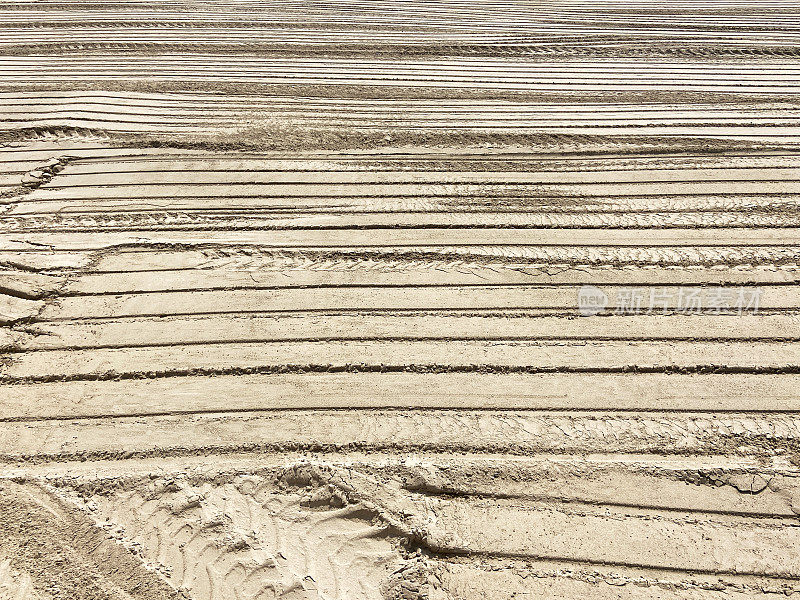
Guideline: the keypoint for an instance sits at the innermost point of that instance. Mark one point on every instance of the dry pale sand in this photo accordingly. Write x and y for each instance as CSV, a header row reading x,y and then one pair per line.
x,y
293,300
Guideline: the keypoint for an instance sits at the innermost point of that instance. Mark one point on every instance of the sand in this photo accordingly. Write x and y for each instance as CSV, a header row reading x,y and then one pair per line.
x,y
334,300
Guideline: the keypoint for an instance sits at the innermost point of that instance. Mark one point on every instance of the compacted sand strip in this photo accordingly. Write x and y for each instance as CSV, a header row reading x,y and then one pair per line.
x,y
654,392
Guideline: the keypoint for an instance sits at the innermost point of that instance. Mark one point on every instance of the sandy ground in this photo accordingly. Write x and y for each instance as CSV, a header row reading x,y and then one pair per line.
x,y
331,300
